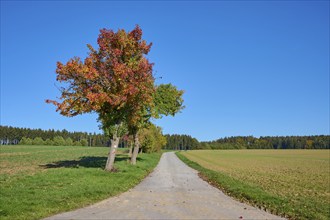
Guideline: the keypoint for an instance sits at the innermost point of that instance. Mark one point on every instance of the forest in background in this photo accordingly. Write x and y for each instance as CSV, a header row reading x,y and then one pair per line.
x,y
14,135
278,142
186,142
151,138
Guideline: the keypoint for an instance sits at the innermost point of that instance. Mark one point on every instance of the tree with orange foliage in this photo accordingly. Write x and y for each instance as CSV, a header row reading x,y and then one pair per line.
x,y
114,81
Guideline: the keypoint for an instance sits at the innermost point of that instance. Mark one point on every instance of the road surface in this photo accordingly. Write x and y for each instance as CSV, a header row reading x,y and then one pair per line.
x,y
172,191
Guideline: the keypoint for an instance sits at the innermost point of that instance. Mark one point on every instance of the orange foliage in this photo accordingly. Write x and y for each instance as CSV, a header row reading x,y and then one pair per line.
x,y
115,77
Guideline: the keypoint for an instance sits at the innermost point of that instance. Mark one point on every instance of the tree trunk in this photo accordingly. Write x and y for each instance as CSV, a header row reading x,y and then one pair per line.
x,y
112,154
136,149
130,150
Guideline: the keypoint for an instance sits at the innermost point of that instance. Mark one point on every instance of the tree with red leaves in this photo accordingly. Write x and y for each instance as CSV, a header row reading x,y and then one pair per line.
x,y
114,81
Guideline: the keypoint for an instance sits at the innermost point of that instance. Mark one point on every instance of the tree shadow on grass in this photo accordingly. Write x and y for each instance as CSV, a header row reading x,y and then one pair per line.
x,y
88,162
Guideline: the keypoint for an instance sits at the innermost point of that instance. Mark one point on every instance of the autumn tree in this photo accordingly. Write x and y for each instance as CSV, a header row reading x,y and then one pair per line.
x,y
114,81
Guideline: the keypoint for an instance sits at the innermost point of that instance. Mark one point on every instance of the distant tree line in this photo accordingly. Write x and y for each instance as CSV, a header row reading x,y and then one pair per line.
x,y
27,136
186,142
181,142
56,141
152,139
284,142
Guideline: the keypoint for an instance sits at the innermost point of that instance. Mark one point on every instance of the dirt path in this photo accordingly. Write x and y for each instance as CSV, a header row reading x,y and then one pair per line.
x,y
172,191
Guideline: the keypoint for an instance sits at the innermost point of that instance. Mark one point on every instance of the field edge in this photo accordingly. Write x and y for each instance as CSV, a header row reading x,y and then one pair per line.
x,y
252,195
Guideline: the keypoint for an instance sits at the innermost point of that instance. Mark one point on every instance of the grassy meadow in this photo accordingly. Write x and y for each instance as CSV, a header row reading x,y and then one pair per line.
x,y
291,183
39,181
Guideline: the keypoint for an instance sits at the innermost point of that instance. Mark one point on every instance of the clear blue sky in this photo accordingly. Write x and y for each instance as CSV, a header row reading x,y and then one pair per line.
x,y
247,67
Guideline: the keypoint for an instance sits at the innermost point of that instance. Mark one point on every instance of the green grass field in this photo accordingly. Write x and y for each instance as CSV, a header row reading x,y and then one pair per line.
x,y
291,183
39,181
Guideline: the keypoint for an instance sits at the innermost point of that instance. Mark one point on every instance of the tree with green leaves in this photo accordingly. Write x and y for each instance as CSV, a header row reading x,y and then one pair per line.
x,y
152,139
83,142
59,141
167,100
38,141
25,141
48,142
68,142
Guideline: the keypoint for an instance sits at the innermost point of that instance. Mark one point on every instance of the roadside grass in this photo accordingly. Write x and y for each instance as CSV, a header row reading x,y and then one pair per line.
x,y
290,183
40,181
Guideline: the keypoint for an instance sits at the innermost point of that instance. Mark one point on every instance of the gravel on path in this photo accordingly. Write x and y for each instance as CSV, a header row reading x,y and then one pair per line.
x,y
172,191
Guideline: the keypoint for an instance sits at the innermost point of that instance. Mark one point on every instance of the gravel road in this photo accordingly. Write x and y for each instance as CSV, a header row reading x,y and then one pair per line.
x,y
172,191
